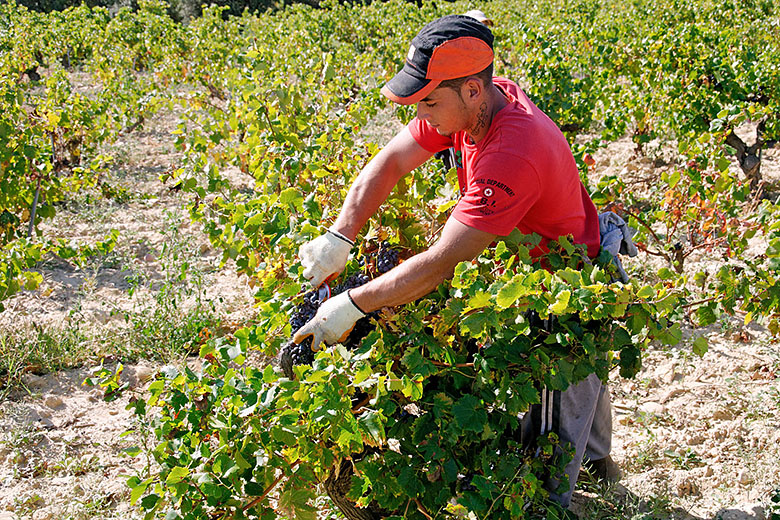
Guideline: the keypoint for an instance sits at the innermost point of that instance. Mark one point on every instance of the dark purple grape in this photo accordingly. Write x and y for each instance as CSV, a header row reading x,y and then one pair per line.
x,y
386,258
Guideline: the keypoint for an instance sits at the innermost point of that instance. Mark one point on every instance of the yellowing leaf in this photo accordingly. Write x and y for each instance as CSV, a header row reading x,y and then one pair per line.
x,y
512,291
561,302
479,300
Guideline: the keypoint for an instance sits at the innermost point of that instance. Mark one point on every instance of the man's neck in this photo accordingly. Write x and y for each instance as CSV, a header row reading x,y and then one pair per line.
x,y
490,106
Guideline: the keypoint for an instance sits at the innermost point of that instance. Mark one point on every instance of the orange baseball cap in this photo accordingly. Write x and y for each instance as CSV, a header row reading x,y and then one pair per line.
x,y
454,46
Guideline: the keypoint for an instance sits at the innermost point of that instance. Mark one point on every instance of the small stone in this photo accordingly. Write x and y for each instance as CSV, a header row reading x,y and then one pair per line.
x,y
653,408
53,401
149,258
43,514
744,477
144,373
708,472
44,423
723,415
113,411
687,487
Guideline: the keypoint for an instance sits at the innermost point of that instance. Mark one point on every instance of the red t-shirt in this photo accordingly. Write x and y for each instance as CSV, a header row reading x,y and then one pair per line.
x,y
520,175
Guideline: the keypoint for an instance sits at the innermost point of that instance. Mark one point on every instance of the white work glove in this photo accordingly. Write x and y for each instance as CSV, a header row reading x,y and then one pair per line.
x,y
324,257
617,238
333,322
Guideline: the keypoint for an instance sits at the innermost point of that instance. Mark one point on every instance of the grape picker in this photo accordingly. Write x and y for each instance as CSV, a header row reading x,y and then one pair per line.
x,y
515,170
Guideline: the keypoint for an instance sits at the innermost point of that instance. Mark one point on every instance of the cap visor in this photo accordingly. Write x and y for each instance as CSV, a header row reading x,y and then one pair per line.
x,y
406,89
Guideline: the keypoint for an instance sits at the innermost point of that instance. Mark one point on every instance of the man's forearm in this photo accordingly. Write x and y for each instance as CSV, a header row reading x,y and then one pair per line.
x,y
421,274
407,282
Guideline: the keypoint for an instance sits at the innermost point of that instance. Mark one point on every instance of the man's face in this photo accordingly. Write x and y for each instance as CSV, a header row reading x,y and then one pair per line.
x,y
445,110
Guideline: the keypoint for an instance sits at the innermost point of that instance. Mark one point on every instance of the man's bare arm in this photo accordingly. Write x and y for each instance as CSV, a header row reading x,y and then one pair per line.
x,y
421,274
375,182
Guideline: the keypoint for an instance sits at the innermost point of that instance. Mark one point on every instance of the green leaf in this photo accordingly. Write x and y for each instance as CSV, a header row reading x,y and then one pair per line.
x,y
372,428
512,291
630,361
470,413
177,474
700,346
137,491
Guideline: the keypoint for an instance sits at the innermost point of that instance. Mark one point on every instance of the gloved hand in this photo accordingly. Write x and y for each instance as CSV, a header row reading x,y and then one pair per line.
x,y
325,257
333,322
616,237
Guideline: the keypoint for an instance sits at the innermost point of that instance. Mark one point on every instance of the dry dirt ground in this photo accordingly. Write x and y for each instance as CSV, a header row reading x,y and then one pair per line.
x,y
697,438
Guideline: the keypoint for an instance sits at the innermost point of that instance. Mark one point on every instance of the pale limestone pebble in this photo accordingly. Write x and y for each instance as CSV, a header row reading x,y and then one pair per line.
x,y
744,477
44,514
653,408
144,372
8,515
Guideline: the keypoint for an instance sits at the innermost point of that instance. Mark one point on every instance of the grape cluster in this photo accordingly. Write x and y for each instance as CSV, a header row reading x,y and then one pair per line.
x,y
305,311
301,354
465,482
386,258
356,280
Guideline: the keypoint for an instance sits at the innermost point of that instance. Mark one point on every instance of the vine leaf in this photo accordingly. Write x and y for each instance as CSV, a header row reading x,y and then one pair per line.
x,y
470,413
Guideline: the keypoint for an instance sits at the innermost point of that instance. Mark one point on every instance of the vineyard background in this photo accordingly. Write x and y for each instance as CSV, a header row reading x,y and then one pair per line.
x,y
176,125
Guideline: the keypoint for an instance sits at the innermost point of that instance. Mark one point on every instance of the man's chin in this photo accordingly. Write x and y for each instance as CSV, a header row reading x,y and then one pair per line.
x,y
443,132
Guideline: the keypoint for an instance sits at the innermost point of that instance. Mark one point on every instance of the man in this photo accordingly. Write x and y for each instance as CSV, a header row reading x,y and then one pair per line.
x,y
515,170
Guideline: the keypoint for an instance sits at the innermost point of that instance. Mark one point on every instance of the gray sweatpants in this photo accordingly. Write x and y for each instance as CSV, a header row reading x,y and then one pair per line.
x,y
581,416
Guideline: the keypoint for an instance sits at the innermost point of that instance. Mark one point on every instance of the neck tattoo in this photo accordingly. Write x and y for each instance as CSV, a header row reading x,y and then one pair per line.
x,y
482,120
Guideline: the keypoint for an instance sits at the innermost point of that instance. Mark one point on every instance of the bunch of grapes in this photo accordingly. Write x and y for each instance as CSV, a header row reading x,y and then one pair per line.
x,y
300,353
305,311
386,258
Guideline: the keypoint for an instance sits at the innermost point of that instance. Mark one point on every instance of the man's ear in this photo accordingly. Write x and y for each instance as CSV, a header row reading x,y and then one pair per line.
x,y
472,89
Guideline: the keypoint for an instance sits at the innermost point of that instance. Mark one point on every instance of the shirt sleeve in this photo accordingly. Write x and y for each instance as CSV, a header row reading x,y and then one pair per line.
x,y
501,191
427,136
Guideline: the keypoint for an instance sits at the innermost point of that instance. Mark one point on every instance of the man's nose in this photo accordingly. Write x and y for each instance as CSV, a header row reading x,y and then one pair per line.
x,y
422,114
